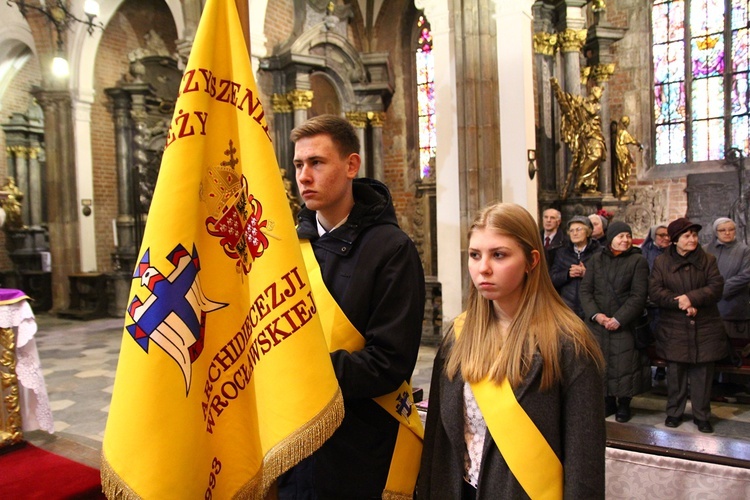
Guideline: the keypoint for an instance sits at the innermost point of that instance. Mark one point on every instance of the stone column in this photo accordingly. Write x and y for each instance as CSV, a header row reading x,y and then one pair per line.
x,y
571,42
358,119
376,122
601,74
60,191
36,182
282,126
545,45
125,223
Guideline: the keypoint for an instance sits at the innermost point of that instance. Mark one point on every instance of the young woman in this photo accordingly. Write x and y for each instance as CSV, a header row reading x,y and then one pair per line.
x,y
512,410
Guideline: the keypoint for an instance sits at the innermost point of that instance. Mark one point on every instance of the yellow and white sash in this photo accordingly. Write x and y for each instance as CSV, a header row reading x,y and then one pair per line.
x,y
528,455
341,334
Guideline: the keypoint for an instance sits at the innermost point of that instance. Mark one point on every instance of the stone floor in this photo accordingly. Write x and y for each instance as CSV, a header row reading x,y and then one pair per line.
x,y
79,360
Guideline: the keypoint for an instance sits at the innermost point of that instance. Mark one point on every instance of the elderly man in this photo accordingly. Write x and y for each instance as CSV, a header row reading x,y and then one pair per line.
x,y
733,258
551,236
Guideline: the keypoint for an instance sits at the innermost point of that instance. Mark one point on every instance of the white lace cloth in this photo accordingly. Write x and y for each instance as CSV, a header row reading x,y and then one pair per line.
x,y
35,409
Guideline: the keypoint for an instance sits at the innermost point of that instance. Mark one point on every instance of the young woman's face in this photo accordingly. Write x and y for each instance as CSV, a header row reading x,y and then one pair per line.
x,y
498,268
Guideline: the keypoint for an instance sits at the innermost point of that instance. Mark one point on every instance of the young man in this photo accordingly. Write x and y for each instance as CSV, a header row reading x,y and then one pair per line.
x,y
552,238
373,271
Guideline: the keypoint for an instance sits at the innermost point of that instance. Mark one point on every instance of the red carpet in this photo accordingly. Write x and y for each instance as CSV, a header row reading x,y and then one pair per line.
x,y
30,472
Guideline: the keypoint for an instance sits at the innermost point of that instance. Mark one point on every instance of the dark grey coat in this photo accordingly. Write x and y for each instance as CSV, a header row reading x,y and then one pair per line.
x,y
566,286
682,339
570,416
618,286
733,260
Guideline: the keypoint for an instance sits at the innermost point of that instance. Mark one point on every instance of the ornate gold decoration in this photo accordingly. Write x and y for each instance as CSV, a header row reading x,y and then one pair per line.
x,y
18,151
280,104
598,5
625,160
10,200
572,40
358,119
581,130
602,72
376,119
585,74
300,99
545,43
12,431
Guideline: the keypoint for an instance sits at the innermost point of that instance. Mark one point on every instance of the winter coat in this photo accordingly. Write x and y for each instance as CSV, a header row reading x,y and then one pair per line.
x,y
569,415
557,242
374,272
650,250
733,260
566,286
680,338
617,286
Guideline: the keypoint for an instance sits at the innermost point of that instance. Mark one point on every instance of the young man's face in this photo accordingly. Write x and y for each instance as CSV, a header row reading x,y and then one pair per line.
x,y
323,176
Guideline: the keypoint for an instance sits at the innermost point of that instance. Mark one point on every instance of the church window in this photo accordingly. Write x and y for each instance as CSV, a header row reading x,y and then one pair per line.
x,y
425,66
701,65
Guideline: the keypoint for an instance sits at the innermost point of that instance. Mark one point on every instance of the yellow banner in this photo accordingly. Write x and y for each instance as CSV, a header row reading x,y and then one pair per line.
x,y
224,379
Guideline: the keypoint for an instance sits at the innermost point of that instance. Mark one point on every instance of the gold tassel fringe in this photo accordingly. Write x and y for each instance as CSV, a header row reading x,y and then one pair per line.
x,y
113,486
298,446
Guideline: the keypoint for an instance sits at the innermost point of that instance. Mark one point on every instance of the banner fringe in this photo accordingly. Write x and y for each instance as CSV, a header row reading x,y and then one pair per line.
x,y
296,447
395,495
113,486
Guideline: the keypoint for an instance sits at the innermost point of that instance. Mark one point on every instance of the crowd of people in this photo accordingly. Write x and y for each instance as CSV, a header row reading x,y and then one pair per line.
x,y
550,326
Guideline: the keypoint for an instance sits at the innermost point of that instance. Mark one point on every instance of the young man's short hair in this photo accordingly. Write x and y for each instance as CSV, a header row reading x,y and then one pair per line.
x,y
340,131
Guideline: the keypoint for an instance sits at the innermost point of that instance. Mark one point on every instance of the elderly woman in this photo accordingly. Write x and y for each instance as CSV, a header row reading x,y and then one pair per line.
x,y
686,285
613,295
733,259
569,266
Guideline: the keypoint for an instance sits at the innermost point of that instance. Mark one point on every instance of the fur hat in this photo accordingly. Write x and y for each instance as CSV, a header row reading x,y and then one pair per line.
x,y
616,228
679,226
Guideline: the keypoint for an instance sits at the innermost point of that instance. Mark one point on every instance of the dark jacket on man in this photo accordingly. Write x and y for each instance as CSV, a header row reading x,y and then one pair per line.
x,y
557,241
374,272
565,285
580,448
617,285
680,338
733,260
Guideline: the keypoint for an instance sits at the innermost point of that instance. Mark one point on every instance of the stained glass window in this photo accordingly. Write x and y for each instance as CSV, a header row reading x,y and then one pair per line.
x,y
426,98
701,64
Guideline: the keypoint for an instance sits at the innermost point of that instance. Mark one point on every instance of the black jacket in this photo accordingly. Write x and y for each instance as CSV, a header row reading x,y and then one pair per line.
x,y
373,270
618,286
569,415
558,241
566,286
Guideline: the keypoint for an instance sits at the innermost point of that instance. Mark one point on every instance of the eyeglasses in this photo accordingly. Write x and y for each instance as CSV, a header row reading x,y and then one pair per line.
x,y
576,230
662,235
726,230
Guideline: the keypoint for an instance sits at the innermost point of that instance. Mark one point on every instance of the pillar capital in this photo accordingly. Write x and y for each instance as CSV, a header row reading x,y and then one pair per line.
x,y
545,43
602,72
377,119
300,99
280,104
572,40
358,119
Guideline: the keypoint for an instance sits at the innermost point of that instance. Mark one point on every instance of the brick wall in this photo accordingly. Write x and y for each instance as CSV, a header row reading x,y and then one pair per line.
x,y
124,33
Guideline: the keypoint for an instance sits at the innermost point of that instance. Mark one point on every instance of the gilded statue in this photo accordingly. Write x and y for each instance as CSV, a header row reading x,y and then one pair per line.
x,y
581,130
11,203
625,160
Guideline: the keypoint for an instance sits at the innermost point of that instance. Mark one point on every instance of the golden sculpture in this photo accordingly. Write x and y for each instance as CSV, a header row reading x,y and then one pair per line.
x,y
11,429
581,130
625,160
11,202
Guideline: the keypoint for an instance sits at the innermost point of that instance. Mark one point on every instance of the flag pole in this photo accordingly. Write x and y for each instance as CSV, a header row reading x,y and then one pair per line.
x,y
244,14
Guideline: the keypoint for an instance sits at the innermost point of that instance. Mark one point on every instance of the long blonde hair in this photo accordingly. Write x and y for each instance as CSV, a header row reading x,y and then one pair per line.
x,y
542,318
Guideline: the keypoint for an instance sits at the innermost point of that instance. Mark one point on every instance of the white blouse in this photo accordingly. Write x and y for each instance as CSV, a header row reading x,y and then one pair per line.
x,y
474,430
